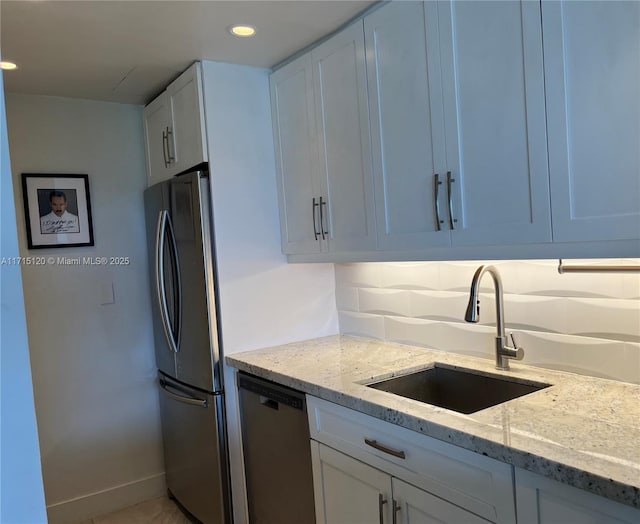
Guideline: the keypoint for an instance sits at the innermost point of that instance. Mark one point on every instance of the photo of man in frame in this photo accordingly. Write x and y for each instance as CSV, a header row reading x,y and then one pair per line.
x,y
58,211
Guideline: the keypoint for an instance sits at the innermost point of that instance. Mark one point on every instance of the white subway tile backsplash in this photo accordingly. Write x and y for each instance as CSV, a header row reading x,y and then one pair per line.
x,y
384,301
583,355
604,318
358,275
412,331
361,324
347,298
457,338
535,313
629,283
541,277
411,275
632,356
583,322
457,276
439,305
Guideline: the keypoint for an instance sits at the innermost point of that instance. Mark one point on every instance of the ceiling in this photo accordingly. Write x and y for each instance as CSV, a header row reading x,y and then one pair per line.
x,y
128,51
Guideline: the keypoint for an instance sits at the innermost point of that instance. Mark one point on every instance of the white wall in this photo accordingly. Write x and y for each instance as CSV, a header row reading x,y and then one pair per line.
x,y
264,301
93,365
21,491
586,323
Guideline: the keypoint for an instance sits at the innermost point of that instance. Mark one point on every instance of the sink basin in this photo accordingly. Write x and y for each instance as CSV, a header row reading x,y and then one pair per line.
x,y
461,390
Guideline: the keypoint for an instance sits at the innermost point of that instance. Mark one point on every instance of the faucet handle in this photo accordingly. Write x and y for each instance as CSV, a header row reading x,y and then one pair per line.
x,y
519,352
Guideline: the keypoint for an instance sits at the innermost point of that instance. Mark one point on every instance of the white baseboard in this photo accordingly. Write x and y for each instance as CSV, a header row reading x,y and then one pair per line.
x,y
112,499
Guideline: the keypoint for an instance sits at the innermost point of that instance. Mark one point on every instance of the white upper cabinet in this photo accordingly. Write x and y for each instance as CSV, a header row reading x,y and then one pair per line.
x,y
347,221
174,128
443,129
493,89
322,144
294,134
592,70
407,128
187,116
458,124
156,123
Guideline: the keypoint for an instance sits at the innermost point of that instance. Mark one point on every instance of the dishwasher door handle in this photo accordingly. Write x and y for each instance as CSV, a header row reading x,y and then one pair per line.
x,y
269,403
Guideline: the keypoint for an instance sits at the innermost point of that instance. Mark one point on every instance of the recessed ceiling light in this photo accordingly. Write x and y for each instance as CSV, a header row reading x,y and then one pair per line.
x,y
242,30
8,66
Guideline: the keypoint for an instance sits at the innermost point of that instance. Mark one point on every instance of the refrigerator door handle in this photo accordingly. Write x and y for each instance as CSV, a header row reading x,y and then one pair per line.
x,y
161,292
194,401
178,282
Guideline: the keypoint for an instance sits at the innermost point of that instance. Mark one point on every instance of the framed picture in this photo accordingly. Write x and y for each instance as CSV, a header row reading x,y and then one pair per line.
x,y
57,210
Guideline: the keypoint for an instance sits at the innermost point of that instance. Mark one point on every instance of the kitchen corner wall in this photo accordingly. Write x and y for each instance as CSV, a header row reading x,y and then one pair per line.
x,y
587,323
93,364
264,301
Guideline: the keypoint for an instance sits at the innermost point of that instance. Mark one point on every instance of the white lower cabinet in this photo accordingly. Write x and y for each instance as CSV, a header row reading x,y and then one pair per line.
x,y
369,471
412,506
544,501
366,470
349,491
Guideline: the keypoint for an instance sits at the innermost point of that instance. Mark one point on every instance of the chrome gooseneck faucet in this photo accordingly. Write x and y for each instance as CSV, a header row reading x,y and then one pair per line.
x,y
503,351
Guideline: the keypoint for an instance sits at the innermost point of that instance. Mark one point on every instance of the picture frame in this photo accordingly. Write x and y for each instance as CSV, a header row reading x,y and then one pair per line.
x,y
57,209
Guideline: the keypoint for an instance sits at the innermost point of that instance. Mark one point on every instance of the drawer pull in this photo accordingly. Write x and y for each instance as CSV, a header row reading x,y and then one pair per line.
x,y
384,449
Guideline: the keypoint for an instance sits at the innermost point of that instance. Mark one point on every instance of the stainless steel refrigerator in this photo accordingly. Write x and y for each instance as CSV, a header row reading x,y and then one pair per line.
x,y
187,345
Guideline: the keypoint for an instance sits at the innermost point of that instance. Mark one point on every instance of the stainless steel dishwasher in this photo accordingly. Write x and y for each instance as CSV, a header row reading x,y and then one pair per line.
x,y
277,453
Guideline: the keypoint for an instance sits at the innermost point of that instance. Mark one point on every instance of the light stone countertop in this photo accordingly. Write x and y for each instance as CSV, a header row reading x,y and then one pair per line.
x,y
582,431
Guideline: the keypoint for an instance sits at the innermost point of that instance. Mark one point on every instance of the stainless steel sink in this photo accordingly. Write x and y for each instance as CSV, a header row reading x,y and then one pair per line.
x,y
461,390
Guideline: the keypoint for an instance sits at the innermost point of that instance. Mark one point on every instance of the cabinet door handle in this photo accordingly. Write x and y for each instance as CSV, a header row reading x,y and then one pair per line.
x,y
322,231
450,180
383,448
381,502
165,147
396,508
314,205
436,188
170,132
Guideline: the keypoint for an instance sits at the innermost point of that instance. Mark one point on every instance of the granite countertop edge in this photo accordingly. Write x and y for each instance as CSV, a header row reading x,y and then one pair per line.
x,y
530,460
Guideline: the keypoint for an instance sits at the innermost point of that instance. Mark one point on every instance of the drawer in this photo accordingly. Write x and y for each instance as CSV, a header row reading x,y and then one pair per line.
x,y
477,483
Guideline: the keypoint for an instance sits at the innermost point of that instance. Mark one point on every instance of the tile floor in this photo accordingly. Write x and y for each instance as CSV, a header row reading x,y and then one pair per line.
x,y
155,511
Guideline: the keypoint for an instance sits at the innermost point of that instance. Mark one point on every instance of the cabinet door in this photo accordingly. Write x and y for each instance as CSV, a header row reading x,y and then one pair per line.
x,y
592,70
294,135
540,500
407,126
415,506
342,117
493,88
156,123
348,491
187,130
